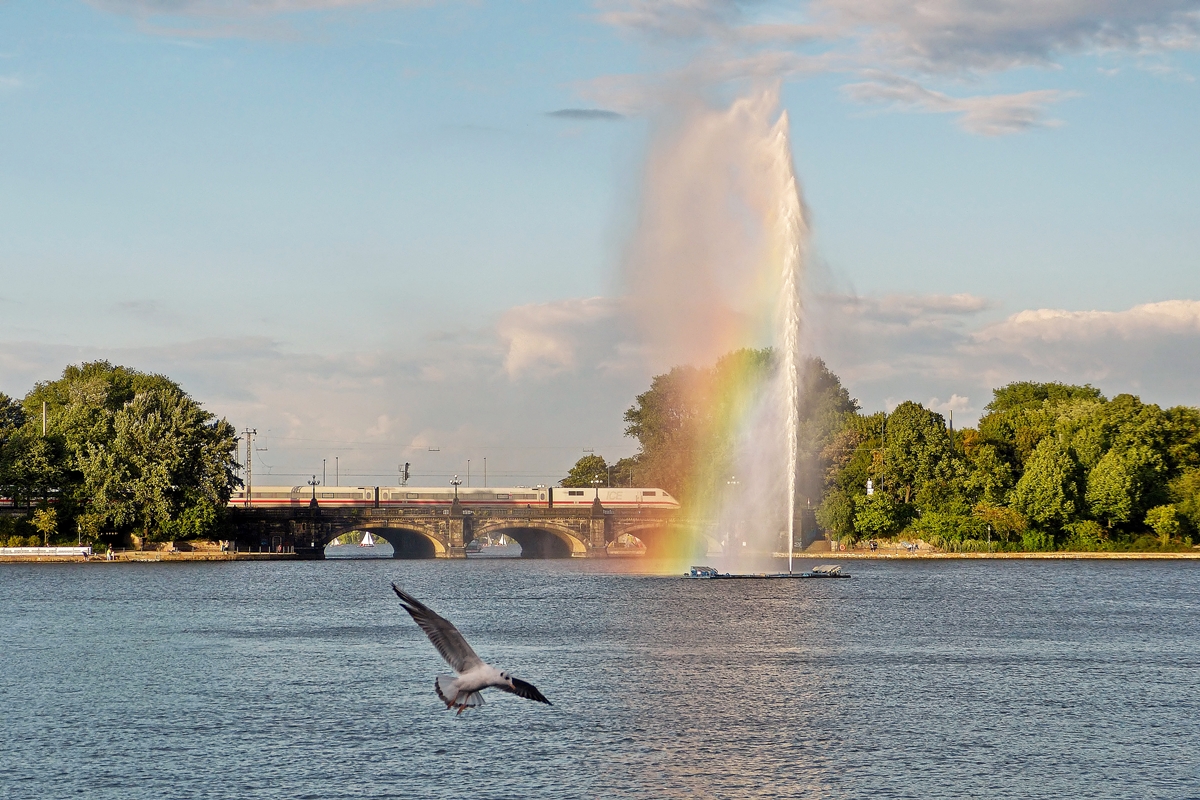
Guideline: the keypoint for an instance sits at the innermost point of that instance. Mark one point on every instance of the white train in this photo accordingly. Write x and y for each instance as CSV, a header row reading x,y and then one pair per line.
x,y
438,497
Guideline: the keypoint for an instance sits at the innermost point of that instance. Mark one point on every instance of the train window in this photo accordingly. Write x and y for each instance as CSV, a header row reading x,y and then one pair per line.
x,y
504,497
524,496
415,496
654,494
575,494
541,497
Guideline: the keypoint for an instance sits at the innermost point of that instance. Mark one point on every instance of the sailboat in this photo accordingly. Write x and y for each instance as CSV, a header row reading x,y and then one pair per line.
x,y
367,541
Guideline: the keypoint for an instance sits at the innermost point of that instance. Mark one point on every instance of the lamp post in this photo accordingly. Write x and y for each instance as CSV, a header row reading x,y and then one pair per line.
x,y
455,482
313,483
596,483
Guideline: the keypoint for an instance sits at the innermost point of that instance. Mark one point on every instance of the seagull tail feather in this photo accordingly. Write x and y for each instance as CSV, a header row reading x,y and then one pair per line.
x,y
447,689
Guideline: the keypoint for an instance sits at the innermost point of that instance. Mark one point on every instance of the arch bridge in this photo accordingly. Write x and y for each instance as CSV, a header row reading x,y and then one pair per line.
x,y
445,533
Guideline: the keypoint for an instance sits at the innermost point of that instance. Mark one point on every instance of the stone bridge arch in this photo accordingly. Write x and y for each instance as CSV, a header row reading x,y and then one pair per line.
x,y
567,541
413,539
663,538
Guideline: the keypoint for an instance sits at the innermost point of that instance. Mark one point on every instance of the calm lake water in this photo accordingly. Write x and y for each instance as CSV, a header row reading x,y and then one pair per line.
x,y
306,680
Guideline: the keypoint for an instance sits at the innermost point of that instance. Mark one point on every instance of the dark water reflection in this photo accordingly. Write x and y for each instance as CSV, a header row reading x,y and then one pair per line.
x,y
294,680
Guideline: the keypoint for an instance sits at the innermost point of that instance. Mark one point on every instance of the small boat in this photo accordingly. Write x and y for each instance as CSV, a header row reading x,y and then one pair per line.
x,y
367,541
821,571
499,547
626,546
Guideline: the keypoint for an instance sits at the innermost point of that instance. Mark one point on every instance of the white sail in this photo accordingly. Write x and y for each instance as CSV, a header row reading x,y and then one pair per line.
x,y
367,541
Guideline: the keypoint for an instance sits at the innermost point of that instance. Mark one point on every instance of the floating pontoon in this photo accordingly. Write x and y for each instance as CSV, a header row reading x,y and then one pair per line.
x,y
821,571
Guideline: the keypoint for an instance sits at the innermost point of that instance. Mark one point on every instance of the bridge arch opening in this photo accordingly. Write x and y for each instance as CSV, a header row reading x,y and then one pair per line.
x,y
672,542
411,545
541,542
406,543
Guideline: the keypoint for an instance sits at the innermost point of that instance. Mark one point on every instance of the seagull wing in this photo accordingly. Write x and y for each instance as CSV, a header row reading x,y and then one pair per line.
x,y
523,689
445,637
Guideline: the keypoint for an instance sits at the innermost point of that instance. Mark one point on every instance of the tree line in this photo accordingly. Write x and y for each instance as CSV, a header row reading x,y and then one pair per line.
x,y
108,452
1048,466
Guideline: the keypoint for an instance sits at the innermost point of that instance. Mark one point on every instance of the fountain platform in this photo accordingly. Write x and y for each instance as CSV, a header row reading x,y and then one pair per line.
x,y
822,571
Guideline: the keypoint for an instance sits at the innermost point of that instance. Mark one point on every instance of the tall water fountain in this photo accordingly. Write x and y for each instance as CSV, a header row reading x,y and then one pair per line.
x,y
716,265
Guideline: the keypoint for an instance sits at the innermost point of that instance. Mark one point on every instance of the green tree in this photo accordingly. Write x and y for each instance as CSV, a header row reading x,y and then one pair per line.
x,y
1047,493
836,514
586,470
989,477
876,515
918,457
167,469
1006,523
45,520
1086,535
825,408
685,423
1184,492
12,419
35,464
1022,414
128,451
1122,482
625,472
1164,521
1183,437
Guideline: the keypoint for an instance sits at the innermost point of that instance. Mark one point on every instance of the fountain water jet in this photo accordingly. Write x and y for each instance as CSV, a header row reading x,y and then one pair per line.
x,y
792,234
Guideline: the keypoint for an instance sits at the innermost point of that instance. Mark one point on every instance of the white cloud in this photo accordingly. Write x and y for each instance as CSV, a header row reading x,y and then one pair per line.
x,y
547,338
187,20
955,35
528,394
988,115
223,8
1151,320
901,46
955,403
907,347
553,378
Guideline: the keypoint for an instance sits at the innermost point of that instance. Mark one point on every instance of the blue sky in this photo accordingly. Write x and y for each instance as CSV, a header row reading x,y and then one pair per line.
x,y
338,222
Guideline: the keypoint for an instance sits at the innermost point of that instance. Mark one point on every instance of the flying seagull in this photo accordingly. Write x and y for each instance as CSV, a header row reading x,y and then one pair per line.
x,y
462,691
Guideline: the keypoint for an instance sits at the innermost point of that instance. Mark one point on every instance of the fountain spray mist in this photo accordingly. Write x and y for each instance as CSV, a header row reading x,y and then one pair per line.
x,y
715,265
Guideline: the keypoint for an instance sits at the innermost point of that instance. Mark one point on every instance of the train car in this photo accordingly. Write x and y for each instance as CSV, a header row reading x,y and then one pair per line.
x,y
496,497
614,497
292,496
441,497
